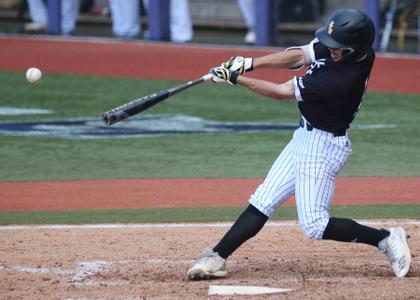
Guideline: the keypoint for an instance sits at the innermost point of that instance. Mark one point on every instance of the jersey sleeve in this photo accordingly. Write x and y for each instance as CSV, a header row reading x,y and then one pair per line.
x,y
306,54
318,50
296,87
312,51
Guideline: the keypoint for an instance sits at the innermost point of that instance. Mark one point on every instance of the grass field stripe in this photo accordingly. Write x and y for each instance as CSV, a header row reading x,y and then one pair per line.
x,y
184,225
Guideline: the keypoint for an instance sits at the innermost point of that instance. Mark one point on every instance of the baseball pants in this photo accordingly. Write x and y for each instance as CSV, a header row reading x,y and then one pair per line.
x,y
306,168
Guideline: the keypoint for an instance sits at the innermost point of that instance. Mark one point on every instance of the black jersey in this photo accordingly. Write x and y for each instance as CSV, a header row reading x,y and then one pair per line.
x,y
330,93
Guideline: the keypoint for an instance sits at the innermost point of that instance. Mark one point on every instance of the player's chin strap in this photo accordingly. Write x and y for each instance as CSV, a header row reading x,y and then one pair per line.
x,y
349,54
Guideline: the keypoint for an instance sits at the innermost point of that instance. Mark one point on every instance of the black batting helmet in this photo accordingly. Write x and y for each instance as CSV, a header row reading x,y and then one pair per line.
x,y
348,29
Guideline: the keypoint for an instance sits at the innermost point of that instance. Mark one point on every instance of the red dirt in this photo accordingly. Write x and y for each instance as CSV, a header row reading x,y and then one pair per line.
x,y
186,192
177,62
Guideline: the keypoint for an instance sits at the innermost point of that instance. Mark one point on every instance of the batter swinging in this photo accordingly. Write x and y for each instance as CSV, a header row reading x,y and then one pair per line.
x,y
340,59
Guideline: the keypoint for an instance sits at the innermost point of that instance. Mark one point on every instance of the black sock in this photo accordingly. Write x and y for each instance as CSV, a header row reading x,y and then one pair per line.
x,y
347,230
246,226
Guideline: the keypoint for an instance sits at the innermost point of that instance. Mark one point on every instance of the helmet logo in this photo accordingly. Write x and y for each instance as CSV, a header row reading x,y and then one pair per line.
x,y
330,27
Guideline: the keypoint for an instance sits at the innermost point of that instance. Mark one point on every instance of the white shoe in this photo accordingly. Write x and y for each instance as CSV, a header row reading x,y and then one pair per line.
x,y
34,27
209,265
396,249
250,37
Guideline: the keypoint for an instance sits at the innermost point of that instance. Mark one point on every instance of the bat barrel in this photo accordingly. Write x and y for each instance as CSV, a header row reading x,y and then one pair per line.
x,y
136,106
132,108
116,115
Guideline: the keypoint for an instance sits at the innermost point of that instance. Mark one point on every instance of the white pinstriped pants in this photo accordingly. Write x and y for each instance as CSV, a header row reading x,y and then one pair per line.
x,y
307,168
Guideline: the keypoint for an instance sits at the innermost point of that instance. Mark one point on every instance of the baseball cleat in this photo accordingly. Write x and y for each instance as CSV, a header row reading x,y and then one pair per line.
x,y
396,248
208,266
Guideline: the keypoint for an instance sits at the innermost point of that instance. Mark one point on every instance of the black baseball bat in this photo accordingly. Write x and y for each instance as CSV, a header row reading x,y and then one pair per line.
x,y
138,105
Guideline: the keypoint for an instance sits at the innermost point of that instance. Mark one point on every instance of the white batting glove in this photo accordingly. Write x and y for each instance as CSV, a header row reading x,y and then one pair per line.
x,y
238,63
215,77
222,74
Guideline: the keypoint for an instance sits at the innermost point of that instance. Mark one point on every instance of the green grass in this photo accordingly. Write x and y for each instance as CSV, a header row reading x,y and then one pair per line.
x,y
194,214
377,152
81,96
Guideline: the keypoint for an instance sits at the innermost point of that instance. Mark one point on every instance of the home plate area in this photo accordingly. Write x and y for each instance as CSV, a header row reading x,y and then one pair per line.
x,y
243,290
150,261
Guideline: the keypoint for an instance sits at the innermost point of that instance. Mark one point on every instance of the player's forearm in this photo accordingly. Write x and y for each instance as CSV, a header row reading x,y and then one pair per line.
x,y
266,88
284,59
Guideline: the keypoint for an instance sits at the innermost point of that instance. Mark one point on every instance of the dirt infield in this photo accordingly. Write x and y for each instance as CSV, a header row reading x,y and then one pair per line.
x,y
150,262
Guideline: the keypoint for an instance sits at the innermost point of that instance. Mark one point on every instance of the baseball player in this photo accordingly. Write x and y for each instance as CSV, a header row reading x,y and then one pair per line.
x,y
329,96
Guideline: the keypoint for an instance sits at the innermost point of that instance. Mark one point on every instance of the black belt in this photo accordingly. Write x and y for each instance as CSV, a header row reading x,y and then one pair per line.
x,y
309,127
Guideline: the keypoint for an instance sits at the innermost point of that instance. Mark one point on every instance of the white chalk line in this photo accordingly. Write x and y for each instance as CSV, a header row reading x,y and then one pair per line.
x,y
83,271
80,275
186,225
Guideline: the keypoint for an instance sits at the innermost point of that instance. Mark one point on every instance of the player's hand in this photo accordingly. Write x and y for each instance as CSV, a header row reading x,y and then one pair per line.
x,y
222,74
238,63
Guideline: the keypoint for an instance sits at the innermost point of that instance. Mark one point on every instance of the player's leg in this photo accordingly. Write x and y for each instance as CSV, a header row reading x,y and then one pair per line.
x,y
125,18
247,8
39,15
277,186
275,189
212,263
180,21
69,16
320,159
315,181
249,223
391,241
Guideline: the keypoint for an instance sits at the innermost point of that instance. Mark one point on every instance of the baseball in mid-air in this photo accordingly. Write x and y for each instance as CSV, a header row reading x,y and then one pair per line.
x,y
33,75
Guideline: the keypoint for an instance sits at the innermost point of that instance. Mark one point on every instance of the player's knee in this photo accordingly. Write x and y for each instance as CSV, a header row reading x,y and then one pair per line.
x,y
314,228
312,233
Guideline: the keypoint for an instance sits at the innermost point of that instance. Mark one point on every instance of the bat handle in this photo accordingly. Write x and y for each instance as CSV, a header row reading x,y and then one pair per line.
x,y
207,77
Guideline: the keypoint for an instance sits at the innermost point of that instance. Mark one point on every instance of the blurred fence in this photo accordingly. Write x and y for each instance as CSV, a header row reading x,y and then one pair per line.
x,y
289,17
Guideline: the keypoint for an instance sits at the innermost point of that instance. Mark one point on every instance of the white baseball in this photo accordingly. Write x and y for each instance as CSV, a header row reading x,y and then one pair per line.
x,y
33,75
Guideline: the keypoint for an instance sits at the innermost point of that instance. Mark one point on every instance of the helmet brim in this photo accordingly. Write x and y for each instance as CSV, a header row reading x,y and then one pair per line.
x,y
327,40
